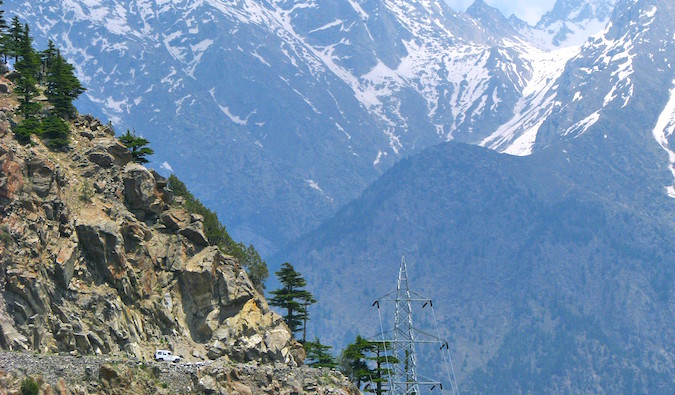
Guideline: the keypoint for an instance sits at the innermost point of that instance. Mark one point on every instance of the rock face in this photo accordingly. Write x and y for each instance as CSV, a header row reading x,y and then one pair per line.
x,y
97,258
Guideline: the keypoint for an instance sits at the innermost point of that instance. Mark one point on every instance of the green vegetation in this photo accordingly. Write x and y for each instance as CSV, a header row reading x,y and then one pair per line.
x,y
318,355
293,299
61,85
55,131
353,362
29,387
367,363
27,128
217,234
137,145
5,236
3,34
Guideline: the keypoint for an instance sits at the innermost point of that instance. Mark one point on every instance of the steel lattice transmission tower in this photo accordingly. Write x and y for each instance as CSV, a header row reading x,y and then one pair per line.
x,y
403,338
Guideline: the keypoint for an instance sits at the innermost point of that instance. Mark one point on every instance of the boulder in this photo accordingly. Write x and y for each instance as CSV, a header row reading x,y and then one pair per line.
x,y
174,219
140,192
4,88
11,173
41,171
195,233
102,159
120,153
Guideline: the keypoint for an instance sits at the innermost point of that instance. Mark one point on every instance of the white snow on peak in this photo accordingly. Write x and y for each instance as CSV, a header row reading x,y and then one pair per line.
x,y
518,135
663,132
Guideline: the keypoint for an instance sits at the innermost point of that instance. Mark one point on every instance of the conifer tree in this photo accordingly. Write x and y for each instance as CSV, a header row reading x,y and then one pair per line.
x,y
255,267
354,363
56,131
63,86
381,372
28,66
3,33
318,355
292,298
14,38
47,56
137,145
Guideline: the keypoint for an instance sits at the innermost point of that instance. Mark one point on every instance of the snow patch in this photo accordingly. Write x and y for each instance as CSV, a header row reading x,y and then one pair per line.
x,y
663,131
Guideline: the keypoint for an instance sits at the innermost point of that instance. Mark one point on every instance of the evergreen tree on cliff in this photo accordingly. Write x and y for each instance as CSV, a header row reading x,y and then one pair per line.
x,y
354,363
292,298
13,38
137,145
3,33
318,355
28,66
62,85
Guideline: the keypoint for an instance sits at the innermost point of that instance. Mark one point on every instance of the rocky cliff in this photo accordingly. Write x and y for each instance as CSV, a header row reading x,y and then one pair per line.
x,y
98,257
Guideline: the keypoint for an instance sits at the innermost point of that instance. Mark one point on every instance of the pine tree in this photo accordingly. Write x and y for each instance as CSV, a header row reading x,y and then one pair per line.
x,y
28,66
26,128
354,363
14,38
255,267
47,56
292,298
3,33
318,355
63,87
381,372
137,146
56,131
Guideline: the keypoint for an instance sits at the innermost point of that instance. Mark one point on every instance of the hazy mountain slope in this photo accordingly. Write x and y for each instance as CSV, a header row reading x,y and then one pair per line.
x,y
556,268
524,262
276,112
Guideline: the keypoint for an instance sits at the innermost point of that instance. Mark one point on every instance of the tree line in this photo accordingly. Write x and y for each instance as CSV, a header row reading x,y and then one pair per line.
x,y
39,72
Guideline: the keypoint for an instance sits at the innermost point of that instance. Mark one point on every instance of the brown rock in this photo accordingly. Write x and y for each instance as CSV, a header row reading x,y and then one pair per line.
x,y
41,171
174,219
140,193
102,159
65,264
11,173
120,153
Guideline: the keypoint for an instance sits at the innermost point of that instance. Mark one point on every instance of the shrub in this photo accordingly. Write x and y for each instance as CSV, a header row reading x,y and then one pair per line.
x,y
56,131
29,387
27,128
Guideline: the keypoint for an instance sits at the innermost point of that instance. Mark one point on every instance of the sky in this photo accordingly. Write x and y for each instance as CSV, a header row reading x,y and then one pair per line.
x,y
527,10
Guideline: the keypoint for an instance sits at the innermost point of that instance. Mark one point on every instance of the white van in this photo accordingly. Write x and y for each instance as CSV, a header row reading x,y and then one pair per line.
x,y
166,355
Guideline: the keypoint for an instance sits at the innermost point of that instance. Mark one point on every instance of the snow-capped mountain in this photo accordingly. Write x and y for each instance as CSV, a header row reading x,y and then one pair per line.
x,y
569,23
322,96
289,109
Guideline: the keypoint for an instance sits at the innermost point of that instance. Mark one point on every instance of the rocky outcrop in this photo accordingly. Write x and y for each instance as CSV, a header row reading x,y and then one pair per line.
x,y
11,173
140,191
97,258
